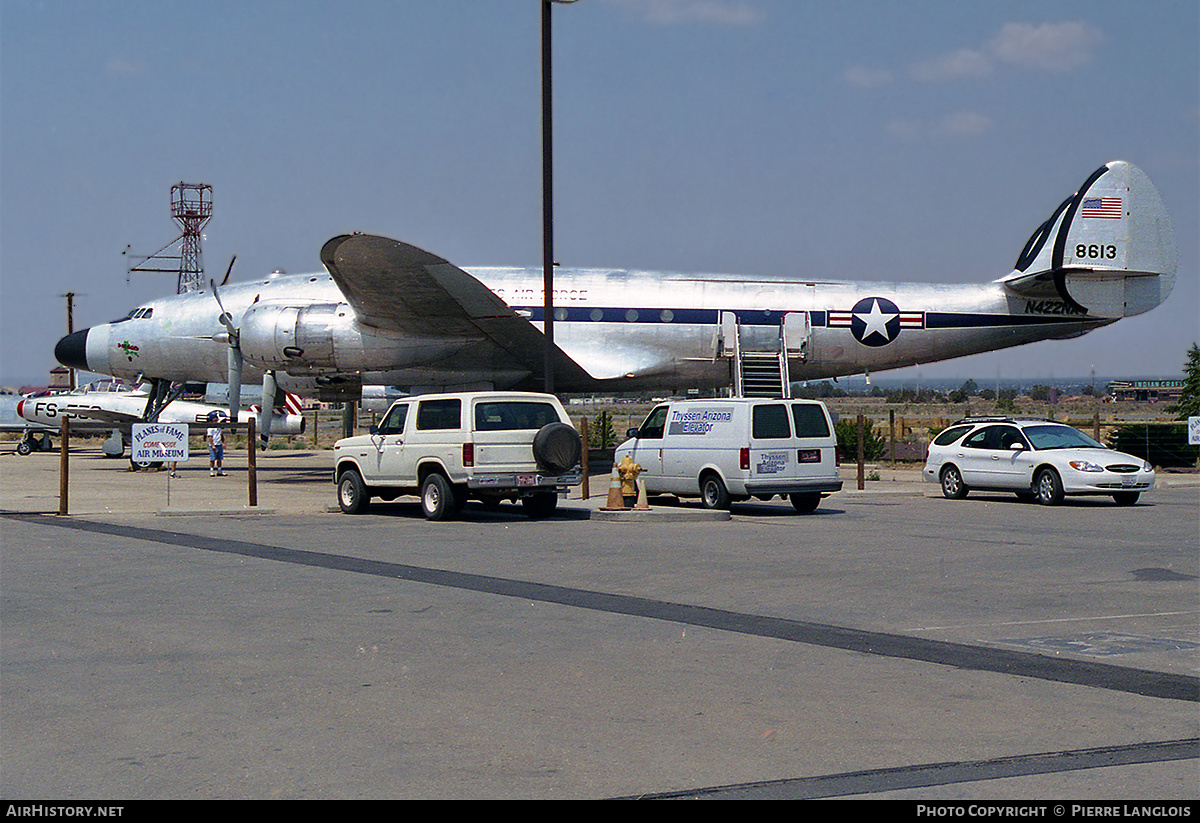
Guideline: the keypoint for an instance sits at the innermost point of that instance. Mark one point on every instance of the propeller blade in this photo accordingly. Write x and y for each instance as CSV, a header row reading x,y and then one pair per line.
x,y
268,406
234,361
234,354
226,317
228,271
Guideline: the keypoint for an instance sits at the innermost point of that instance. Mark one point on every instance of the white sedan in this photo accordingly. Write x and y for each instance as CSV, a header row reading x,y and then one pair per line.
x,y
1037,459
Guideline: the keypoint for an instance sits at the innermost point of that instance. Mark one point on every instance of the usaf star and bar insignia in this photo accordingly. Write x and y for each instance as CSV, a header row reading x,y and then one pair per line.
x,y
876,321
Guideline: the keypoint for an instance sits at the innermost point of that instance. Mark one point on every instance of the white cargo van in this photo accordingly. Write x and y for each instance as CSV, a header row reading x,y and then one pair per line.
x,y
737,448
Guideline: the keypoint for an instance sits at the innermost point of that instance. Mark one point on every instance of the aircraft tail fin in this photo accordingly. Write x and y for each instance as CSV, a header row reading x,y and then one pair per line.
x,y
1109,250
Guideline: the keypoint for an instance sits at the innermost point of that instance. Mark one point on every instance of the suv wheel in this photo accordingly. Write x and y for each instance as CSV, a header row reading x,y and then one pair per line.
x,y
1048,487
437,498
352,493
541,504
953,486
557,447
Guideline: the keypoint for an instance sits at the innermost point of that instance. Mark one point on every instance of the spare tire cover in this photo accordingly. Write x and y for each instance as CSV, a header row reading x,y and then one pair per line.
x,y
557,447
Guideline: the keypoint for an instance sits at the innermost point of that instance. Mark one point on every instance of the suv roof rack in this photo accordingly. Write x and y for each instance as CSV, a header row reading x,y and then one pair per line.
x,y
1003,419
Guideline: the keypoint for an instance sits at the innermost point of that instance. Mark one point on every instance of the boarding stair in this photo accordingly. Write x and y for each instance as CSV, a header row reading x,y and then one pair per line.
x,y
761,370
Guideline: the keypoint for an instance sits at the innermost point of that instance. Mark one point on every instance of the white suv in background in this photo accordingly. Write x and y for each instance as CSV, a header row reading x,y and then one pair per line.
x,y
1037,459
447,448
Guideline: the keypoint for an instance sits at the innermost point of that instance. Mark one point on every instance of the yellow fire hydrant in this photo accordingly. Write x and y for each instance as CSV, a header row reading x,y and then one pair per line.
x,y
628,472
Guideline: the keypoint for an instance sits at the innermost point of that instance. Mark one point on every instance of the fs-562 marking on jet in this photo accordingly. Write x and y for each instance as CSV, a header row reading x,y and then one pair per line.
x,y
105,406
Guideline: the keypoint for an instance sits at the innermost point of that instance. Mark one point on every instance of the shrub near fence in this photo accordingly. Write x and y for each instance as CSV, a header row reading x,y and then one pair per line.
x,y
1162,444
874,443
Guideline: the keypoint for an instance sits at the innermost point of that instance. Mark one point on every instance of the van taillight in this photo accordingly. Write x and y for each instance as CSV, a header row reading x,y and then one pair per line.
x,y
744,458
468,455
837,456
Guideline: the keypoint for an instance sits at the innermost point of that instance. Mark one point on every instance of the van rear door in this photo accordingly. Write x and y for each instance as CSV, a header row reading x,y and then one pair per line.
x,y
772,455
816,447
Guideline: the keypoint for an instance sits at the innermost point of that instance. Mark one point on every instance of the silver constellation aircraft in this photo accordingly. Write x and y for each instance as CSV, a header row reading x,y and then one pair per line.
x,y
390,314
108,406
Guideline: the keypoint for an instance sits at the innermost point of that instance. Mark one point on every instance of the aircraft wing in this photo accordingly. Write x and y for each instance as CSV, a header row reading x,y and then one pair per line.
x,y
108,417
393,286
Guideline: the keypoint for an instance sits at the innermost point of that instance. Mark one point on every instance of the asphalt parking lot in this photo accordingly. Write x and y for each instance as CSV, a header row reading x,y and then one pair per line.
x,y
892,644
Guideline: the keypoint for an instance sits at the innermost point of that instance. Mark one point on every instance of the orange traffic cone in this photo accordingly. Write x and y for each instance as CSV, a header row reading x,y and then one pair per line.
x,y
642,504
615,502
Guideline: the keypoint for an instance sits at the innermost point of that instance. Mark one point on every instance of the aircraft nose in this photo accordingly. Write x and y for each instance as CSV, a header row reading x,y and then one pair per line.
x,y
71,351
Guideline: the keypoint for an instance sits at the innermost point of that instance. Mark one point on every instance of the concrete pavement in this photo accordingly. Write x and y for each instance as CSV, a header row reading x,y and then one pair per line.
x,y
891,644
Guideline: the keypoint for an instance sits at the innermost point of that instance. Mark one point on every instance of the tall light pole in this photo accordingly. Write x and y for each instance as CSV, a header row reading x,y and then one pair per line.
x,y
548,196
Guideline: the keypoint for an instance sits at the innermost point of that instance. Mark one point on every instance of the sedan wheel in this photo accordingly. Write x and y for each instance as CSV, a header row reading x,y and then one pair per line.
x,y
1048,487
953,486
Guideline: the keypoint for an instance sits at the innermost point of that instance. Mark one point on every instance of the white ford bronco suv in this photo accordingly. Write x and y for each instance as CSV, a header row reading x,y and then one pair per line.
x,y
447,448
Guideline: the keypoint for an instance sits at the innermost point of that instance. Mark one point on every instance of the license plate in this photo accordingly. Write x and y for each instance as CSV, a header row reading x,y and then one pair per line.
x,y
1129,480
526,480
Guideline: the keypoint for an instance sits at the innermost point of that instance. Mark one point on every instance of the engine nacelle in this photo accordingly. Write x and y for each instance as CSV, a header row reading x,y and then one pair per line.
x,y
325,338
279,337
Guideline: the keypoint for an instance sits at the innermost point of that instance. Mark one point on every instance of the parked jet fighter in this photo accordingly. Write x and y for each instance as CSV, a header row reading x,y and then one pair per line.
x,y
387,313
33,436
109,406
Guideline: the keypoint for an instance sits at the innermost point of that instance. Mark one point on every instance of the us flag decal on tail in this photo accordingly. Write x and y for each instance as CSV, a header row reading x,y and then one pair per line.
x,y
1108,208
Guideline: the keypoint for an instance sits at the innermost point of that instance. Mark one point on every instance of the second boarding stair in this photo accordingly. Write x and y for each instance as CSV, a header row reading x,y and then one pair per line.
x,y
760,371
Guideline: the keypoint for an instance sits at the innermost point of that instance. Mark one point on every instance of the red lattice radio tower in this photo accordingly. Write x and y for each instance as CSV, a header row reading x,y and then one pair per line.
x,y
191,206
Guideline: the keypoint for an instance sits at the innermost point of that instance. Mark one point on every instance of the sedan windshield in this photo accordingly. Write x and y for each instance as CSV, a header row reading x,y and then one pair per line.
x,y
1059,437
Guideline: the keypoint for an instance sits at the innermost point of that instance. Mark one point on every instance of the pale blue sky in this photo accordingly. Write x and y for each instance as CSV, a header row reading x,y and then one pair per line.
x,y
922,140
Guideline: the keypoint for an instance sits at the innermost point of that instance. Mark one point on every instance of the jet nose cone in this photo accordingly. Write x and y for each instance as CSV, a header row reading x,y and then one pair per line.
x,y
71,351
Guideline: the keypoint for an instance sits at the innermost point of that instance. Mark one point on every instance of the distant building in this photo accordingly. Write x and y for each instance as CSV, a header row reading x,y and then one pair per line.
x,y
1143,391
